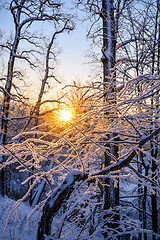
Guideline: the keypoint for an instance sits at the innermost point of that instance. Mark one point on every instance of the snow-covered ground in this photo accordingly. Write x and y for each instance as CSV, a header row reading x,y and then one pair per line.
x,y
16,228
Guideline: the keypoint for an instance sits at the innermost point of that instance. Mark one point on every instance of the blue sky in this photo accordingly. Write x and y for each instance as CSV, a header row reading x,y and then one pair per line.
x,y
73,57
72,60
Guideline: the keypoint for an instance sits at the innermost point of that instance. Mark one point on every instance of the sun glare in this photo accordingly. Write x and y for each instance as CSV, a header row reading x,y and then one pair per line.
x,y
66,115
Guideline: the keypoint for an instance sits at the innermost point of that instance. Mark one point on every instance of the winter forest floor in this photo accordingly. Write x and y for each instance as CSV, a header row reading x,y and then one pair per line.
x,y
17,228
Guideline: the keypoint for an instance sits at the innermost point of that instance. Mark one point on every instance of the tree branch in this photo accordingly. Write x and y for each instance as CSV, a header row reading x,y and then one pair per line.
x,y
55,201
124,162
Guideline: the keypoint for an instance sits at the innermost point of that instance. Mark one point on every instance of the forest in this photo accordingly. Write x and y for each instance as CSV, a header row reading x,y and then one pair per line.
x,y
80,160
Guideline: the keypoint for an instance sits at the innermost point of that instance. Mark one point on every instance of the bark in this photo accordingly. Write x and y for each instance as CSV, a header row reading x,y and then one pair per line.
x,y
155,41
7,95
64,191
140,190
154,193
154,145
158,59
144,203
109,80
55,201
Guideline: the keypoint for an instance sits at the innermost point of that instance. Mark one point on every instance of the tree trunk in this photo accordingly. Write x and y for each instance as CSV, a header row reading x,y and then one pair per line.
x,y
37,106
154,194
6,102
109,80
55,201
154,144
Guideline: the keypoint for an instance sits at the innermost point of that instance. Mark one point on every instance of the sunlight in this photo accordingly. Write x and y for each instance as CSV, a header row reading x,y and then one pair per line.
x,y
66,115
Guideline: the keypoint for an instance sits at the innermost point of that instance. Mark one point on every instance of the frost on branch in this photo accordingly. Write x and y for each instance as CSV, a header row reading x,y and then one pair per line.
x,y
55,201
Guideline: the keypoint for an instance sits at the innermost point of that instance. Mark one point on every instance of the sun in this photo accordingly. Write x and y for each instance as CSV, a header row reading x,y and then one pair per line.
x,y
66,115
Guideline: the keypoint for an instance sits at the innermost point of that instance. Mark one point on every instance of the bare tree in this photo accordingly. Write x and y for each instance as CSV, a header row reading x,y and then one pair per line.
x,y
78,201
25,13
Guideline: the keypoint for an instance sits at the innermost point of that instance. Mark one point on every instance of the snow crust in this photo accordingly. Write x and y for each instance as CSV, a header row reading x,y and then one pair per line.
x,y
17,228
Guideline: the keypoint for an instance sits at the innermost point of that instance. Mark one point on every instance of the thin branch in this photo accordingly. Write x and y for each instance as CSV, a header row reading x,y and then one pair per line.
x,y
130,155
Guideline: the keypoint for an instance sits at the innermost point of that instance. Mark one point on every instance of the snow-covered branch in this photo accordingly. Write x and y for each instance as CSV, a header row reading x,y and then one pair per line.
x,y
130,155
55,201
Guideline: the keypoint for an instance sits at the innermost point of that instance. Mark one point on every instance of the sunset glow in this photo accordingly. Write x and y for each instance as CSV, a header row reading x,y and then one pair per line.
x,y
66,115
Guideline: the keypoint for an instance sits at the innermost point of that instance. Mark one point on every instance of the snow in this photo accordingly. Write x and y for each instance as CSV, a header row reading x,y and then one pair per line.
x,y
70,176
17,228
107,54
143,137
69,179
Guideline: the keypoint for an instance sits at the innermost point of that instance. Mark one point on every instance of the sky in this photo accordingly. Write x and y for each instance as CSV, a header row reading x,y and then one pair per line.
x,y
73,56
72,59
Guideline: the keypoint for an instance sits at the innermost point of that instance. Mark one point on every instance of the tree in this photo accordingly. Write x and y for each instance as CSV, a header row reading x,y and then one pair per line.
x,y
25,13
109,81
143,59
78,197
74,202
